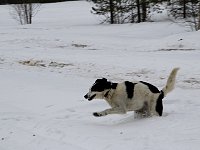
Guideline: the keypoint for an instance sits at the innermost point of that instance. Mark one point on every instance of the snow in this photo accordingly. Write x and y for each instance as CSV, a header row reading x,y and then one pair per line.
x,y
42,105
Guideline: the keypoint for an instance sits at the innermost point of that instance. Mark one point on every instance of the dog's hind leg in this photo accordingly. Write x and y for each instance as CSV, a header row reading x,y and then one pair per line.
x,y
143,112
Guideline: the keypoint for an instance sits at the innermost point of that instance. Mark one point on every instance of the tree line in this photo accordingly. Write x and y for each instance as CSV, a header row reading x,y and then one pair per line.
x,y
136,11
120,11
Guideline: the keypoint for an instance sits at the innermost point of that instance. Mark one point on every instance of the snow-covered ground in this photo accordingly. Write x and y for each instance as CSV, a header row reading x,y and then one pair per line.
x,y
47,67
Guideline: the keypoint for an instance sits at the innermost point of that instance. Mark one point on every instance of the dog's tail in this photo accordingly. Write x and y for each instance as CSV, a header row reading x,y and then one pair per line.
x,y
170,82
168,88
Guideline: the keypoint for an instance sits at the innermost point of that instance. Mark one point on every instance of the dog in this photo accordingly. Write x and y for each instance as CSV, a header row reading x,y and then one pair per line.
x,y
141,97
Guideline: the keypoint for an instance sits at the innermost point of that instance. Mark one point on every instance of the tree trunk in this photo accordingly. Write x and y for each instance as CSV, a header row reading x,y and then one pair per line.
x,y
111,12
199,18
138,10
184,8
30,13
144,10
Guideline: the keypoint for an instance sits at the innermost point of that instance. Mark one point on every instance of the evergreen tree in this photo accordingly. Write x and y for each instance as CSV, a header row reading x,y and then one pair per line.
x,y
187,10
121,11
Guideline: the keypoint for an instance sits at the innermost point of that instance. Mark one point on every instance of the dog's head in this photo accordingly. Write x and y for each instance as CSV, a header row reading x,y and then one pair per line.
x,y
97,91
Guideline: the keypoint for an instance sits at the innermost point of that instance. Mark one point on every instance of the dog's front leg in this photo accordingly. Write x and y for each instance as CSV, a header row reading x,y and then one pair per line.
x,y
115,110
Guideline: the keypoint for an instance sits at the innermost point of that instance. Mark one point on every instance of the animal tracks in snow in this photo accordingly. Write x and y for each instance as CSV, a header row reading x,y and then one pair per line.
x,y
96,71
41,63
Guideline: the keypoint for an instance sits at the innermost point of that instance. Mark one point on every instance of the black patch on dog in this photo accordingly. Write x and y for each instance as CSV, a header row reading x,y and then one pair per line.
x,y
130,89
151,87
97,114
113,85
159,103
100,85
106,95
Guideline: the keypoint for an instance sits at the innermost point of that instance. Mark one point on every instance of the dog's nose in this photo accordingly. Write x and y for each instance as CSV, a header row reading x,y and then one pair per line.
x,y
86,96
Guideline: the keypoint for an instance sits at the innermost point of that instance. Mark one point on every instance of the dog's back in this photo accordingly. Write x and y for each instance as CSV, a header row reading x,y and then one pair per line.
x,y
136,95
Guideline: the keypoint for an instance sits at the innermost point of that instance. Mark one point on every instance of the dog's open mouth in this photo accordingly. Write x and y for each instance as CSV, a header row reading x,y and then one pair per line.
x,y
90,98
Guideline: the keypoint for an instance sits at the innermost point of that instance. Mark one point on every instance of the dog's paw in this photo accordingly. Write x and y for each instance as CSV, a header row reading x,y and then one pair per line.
x,y
96,114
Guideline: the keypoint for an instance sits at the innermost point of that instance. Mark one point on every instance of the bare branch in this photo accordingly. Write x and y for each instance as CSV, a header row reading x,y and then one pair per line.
x,y
24,13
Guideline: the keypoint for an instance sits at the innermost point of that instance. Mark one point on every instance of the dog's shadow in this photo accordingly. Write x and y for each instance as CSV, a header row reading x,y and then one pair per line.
x,y
128,119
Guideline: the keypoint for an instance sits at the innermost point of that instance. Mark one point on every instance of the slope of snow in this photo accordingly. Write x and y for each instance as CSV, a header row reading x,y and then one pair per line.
x,y
47,67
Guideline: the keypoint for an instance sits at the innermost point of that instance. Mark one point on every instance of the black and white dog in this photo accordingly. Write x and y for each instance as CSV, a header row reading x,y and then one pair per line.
x,y
143,98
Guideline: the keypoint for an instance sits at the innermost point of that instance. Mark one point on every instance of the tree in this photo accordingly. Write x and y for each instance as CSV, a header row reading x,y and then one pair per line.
x,y
144,10
106,9
199,18
138,10
188,10
195,14
182,8
111,11
122,11
24,12
116,11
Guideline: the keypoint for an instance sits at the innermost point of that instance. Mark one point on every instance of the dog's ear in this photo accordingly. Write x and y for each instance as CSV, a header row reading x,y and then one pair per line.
x,y
103,80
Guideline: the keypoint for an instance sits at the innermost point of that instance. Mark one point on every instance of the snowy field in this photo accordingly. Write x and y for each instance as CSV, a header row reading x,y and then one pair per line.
x,y
47,67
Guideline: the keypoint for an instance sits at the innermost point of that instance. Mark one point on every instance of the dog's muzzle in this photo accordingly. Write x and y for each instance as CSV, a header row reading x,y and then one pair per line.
x,y
89,97
86,96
